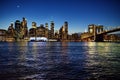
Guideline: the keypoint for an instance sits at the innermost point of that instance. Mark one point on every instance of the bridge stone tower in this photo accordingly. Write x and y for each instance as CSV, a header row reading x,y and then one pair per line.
x,y
94,30
91,29
99,28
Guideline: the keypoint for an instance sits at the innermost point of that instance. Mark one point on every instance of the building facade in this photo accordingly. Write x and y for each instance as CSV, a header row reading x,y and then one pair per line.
x,y
63,32
51,31
32,31
40,31
21,30
34,25
24,28
17,26
2,35
11,31
46,30
56,35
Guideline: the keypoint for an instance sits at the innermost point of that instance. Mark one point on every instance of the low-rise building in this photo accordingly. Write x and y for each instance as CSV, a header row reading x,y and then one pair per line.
x,y
2,35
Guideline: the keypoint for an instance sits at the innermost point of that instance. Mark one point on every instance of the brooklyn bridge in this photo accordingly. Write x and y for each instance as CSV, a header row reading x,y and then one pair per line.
x,y
97,33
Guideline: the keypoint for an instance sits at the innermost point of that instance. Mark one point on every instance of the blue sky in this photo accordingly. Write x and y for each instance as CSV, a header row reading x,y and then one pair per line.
x,y
78,13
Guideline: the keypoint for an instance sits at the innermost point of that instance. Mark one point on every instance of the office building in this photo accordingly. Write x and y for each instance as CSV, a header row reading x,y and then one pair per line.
x,y
63,32
51,32
2,35
24,29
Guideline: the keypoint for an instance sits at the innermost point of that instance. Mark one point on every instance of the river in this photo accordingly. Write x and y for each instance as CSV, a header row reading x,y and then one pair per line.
x,y
59,61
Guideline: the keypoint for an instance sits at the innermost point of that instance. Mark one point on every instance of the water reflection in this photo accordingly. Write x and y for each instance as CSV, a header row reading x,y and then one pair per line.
x,y
64,53
101,58
60,60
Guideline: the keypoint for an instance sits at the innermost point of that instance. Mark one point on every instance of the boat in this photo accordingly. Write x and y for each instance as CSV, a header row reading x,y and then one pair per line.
x,y
38,39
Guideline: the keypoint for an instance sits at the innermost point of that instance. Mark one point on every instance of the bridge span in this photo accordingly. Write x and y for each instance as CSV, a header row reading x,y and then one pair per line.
x,y
96,33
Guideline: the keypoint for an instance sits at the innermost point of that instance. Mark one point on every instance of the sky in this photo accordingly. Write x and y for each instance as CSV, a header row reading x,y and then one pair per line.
x,y
78,13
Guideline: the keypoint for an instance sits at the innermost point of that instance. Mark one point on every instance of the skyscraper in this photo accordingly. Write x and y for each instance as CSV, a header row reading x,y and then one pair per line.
x,y
46,30
63,32
33,30
21,30
24,28
66,30
10,31
52,30
17,26
56,35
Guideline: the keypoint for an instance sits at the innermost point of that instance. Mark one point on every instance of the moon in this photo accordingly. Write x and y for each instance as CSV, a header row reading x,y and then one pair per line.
x,y
18,6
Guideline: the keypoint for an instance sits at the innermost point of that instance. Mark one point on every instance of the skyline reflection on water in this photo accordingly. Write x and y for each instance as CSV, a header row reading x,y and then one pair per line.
x,y
59,60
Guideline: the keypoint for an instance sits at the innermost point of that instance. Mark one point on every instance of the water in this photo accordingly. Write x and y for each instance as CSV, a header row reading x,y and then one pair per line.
x,y
59,61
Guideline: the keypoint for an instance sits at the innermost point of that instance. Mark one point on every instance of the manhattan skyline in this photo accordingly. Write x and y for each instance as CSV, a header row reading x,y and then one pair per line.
x,y
78,13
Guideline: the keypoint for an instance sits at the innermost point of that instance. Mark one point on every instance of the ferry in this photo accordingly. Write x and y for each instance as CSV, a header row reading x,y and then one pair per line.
x,y
38,39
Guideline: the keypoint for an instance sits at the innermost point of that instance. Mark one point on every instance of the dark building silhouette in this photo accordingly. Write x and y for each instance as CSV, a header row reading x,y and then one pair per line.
x,y
56,35
63,32
32,32
70,37
75,36
51,32
17,26
112,37
46,30
60,33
